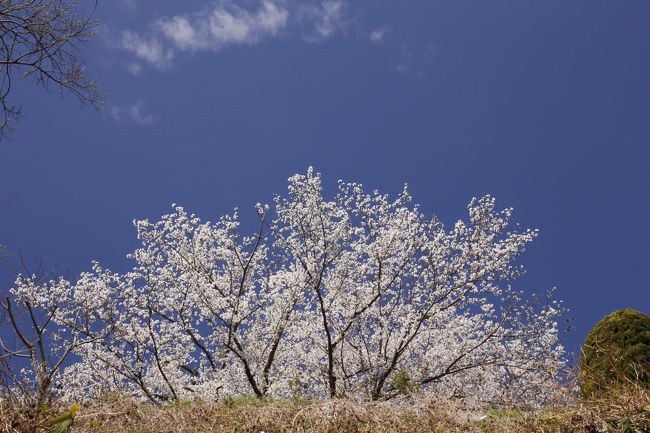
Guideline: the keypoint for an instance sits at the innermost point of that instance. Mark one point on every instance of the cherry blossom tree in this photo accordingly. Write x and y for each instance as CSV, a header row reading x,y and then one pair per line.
x,y
359,296
33,349
391,290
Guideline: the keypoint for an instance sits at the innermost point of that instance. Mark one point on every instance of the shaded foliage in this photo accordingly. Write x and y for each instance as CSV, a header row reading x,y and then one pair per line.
x,y
616,350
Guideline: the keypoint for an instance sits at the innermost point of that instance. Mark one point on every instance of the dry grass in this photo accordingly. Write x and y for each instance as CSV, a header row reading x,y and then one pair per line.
x,y
628,411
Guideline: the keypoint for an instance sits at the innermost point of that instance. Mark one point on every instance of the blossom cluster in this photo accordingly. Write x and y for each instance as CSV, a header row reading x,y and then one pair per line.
x,y
360,295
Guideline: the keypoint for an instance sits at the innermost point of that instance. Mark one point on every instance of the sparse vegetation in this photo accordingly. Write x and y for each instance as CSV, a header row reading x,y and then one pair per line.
x,y
628,410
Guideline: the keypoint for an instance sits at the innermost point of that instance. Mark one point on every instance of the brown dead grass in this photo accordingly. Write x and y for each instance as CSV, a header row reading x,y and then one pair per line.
x,y
628,411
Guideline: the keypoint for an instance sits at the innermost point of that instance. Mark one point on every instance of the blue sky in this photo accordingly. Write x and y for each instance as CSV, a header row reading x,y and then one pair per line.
x,y
545,105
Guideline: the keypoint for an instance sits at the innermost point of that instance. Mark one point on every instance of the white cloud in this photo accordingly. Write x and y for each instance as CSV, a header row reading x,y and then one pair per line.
x,y
147,49
328,18
222,26
225,23
134,113
180,31
378,35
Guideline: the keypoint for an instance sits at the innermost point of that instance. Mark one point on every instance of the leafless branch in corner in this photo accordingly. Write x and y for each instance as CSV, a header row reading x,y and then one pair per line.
x,y
40,39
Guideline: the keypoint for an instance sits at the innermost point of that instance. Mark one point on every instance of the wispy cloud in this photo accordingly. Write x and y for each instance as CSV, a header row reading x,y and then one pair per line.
x,y
221,25
378,35
415,61
329,17
148,49
406,59
133,113
226,23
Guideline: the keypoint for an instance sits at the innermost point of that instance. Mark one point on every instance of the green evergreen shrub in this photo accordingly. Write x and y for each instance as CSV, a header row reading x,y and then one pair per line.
x,y
616,352
401,382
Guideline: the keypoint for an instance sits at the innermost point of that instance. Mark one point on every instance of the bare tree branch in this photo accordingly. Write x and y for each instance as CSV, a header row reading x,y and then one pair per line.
x,y
40,39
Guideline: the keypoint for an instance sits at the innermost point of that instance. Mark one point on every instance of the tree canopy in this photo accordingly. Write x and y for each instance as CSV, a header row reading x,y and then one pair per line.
x,y
355,295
